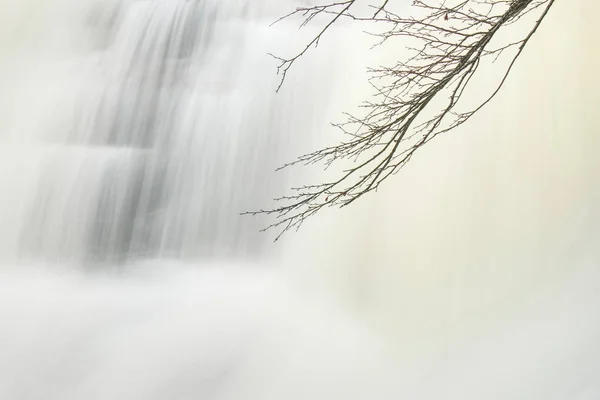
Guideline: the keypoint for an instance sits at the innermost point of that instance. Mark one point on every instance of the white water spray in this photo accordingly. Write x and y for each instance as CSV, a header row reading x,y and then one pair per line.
x,y
134,132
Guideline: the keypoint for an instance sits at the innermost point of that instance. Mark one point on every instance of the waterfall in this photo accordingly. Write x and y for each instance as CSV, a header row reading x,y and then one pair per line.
x,y
157,139
134,132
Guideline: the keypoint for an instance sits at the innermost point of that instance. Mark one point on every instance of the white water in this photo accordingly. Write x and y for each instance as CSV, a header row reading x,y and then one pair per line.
x,y
130,144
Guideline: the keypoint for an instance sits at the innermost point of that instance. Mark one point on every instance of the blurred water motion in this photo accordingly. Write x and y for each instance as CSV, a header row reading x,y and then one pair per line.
x,y
133,132
157,139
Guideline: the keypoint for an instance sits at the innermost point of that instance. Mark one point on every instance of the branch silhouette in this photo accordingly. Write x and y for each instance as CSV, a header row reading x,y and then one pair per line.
x,y
415,99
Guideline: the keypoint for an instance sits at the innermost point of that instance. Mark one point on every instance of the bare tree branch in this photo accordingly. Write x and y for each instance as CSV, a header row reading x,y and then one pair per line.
x,y
415,100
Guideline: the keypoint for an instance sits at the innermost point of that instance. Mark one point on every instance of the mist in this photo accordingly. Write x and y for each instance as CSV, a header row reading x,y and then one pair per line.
x,y
126,271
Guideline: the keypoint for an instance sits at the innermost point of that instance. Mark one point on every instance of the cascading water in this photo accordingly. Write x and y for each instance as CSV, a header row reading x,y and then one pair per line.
x,y
133,132
136,133
138,162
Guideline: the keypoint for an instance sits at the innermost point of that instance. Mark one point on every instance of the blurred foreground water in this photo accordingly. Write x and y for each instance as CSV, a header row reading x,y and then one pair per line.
x,y
133,133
